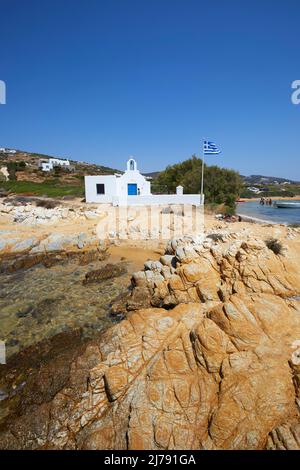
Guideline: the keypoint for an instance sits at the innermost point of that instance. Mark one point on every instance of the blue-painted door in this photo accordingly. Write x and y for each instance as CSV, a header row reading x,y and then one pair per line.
x,y
132,189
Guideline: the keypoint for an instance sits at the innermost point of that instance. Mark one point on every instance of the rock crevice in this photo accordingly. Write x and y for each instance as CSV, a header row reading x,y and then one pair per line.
x,y
203,360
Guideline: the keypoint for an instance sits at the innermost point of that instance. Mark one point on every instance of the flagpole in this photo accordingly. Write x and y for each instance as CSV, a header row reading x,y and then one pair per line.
x,y
202,176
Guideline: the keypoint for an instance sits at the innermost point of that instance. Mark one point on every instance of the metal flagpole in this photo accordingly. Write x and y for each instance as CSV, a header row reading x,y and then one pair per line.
x,y
202,176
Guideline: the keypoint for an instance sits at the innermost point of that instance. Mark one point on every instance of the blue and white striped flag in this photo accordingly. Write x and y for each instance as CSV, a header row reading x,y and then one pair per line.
x,y
209,148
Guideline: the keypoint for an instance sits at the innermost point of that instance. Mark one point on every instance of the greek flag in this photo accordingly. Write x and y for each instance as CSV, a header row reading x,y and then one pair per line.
x,y
209,148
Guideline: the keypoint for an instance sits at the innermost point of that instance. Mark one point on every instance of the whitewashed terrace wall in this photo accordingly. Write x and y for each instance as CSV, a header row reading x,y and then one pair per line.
x,y
163,199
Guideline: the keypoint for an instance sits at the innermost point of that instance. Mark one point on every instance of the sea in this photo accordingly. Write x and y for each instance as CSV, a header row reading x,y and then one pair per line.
x,y
269,213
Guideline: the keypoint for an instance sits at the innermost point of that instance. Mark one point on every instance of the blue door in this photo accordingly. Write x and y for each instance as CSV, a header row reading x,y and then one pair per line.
x,y
132,189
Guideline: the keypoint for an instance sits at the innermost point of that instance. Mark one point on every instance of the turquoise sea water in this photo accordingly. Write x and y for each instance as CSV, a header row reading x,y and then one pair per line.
x,y
270,213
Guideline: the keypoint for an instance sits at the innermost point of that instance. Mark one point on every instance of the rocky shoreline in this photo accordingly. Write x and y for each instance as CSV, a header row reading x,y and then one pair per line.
x,y
206,358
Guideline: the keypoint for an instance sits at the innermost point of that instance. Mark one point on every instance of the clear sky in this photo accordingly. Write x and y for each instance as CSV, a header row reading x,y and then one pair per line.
x,y
99,80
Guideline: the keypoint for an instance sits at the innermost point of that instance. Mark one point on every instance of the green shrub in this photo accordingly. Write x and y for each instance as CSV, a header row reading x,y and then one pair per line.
x,y
11,168
221,186
48,204
228,210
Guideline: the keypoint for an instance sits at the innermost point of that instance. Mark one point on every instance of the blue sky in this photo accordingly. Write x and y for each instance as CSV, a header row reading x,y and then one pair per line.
x,y
99,80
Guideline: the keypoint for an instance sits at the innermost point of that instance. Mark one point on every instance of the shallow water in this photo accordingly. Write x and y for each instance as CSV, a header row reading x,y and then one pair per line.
x,y
40,302
270,213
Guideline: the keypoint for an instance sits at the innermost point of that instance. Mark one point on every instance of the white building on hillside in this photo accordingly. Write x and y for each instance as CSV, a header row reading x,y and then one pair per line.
x,y
10,151
131,188
253,189
48,165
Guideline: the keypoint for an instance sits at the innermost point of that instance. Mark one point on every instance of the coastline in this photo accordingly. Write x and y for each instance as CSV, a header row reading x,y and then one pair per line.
x,y
275,198
257,220
249,212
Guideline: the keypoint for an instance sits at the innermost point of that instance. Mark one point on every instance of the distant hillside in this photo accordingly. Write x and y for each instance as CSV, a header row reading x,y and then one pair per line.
x,y
153,174
260,179
252,185
248,180
20,173
31,160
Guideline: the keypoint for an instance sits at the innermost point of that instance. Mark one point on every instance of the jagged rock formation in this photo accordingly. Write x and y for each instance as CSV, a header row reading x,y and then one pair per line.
x,y
210,268
220,370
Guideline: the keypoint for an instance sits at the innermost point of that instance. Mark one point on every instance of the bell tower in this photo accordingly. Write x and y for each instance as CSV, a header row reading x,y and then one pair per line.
x,y
131,164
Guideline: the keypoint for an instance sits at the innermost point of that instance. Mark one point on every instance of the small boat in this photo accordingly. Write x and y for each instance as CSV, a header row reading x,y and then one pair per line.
x,y
287,205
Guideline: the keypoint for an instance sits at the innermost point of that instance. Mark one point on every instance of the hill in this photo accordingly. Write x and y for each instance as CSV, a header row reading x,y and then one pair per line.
x,y
20,173
261,179
269,186
31,160
248,180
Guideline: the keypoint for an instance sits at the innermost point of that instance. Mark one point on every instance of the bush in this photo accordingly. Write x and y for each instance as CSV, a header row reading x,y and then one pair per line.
x,y
275,193
58,170
228,210
221,186
48,204
11,168
274,245
2,177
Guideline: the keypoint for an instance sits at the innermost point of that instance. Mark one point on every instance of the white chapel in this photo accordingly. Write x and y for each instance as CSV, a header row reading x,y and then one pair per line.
x,y
130,188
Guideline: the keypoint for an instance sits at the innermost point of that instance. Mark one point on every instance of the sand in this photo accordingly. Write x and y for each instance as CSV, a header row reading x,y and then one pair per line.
x,y
136,251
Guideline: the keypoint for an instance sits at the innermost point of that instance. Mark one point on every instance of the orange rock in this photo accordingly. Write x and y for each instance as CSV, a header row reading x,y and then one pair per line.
x,y
220,372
